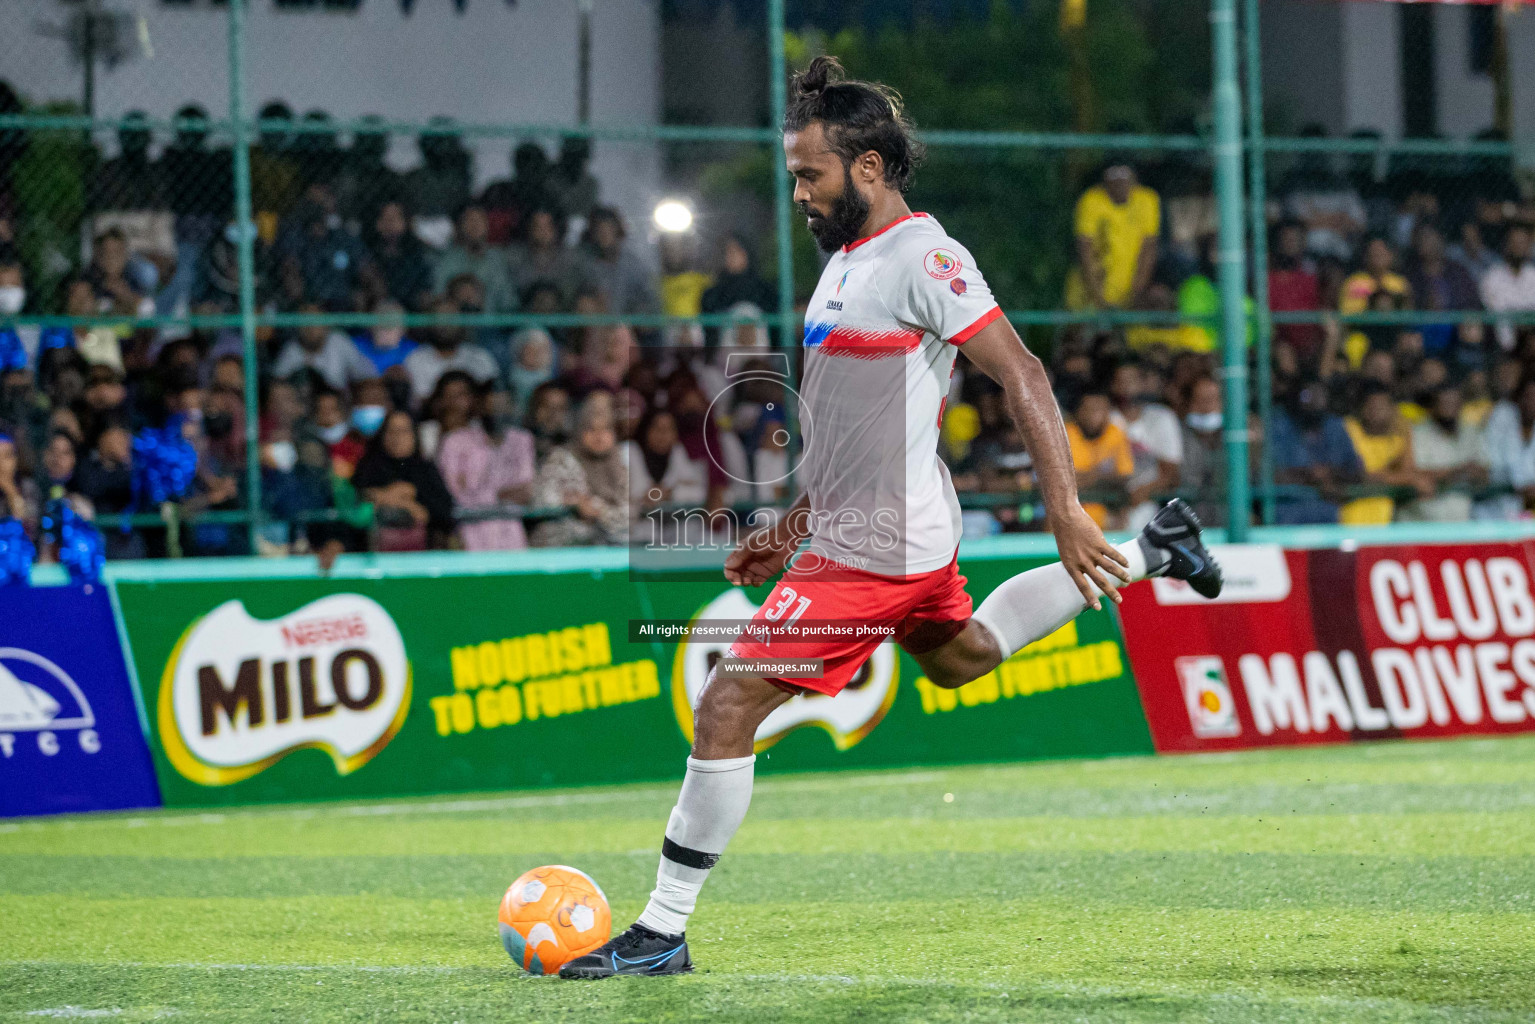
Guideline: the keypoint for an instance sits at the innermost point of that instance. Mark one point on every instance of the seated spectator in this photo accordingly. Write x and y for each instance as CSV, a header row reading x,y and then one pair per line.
x,y
1509,285
660,469
13,300
682,283
1511,447
297,482
468,294
280,412
327,351
20,497
105,401
397,266
589,476
115,289
570,183
532,364
1472,251
98,345
1311,448
320,257
1117,225
445,347
385,344
440,184
548,418
736,282
1384,449
1156,441
1375,275
1324,201
330,422
1101,453
1202,471
606,355
472,253
105,479
1293,287
480,466
625,281
1470,351
508,202
1438,283
414,506
130,180
1453,452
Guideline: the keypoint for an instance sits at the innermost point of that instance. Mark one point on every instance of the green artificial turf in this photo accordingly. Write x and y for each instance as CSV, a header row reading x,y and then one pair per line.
x,y
1382,882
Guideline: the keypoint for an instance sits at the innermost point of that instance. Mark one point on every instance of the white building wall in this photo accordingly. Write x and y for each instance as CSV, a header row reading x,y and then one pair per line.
x,y
1372,76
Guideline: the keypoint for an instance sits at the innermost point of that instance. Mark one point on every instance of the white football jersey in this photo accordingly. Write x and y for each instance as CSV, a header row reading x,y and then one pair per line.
x,y
880,340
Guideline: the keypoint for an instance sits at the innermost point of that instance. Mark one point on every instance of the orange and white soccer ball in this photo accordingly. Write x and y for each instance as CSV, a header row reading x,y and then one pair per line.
x,y
551,915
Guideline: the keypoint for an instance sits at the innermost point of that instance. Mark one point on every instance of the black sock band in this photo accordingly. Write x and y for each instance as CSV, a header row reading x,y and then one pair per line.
x,y
687,858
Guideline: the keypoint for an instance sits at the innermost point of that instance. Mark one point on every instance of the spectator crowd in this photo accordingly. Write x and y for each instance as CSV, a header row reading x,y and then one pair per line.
x,y
419,431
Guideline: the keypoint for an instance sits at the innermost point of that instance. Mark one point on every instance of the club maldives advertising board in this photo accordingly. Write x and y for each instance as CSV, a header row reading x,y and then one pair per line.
x,y
1325,646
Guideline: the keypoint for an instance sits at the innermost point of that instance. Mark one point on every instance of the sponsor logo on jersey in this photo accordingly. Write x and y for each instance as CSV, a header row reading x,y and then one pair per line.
x,y
958,286
39,698
239,694
847,718
942,264
833,304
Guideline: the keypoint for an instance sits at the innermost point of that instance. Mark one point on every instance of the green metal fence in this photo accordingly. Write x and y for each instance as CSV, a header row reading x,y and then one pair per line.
x,y
1236,142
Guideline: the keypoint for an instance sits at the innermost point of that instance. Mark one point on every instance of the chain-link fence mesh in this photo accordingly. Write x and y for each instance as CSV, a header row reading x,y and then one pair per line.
x,y
436,301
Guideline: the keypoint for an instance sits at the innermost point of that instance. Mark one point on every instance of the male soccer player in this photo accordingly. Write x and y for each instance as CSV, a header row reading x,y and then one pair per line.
x,y
894,304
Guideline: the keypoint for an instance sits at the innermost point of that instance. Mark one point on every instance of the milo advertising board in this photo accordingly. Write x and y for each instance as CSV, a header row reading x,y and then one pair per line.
x,y
296,689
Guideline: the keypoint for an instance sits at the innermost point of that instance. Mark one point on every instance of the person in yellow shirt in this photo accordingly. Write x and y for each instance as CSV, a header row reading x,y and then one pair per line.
x,y
1117,223
682,284
1384,447
1100,453
1378,274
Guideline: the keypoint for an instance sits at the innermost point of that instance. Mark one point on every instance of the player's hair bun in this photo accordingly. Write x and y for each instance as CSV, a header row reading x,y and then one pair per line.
x,y
823,71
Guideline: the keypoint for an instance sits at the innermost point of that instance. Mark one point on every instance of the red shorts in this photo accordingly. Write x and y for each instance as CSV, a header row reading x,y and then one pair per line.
x,y
924,612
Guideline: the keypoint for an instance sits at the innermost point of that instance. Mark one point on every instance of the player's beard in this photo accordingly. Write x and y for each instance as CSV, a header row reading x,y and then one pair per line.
x,y
843,223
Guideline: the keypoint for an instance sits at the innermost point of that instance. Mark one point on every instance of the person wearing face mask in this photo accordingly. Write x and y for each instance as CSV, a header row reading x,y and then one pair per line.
x,y
330,423
446,348
415,505
1312,449
18,344
1452,452
386,344
1202,473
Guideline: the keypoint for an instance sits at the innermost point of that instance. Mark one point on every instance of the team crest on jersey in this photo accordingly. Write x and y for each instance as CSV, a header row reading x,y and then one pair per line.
x,y
842,282
958,286
942,264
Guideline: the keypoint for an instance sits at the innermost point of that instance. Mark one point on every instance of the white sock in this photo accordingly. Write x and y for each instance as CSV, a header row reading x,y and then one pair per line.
x,y
711,806
1034,604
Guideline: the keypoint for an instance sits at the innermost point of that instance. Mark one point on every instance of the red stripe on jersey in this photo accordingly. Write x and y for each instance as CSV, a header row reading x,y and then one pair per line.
x,y
862,343
849,247
975,328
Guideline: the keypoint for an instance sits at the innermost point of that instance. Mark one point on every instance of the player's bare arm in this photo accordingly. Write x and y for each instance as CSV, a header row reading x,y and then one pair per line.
x,y
1095,564
763,553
